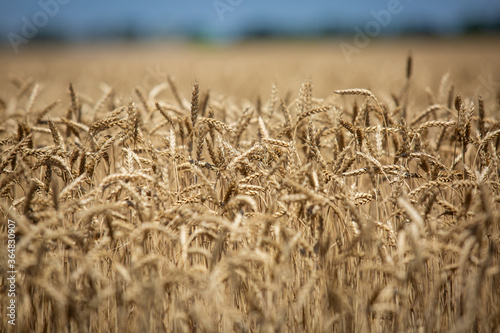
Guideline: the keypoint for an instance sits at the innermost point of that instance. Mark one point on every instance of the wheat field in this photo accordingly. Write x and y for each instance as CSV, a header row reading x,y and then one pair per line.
x,y
252,189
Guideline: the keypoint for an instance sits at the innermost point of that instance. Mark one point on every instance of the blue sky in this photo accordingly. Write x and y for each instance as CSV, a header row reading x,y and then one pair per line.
x,y
79,19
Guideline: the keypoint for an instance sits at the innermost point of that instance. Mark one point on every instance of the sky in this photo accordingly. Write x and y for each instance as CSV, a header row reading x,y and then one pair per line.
x,y
237,19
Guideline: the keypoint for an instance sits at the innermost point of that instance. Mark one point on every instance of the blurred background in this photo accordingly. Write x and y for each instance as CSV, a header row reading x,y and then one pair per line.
x,y
240,48
230,20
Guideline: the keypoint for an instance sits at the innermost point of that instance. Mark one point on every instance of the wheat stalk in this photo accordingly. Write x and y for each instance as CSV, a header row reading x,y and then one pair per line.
x,y
358,92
